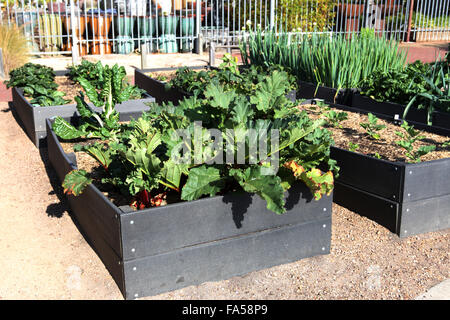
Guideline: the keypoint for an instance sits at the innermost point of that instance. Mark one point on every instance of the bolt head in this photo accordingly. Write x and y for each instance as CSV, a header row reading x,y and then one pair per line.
x,y
131,222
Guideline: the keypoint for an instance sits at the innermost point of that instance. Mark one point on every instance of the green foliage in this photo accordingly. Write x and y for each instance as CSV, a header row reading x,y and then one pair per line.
x,y
437,97
352,146
372,127
409,137
140,158
298,15
94,125
336,61
335,118
95,73
419,85
229,76
38,82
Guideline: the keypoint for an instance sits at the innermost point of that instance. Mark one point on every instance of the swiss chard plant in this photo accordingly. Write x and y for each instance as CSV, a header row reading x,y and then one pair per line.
x,y
95,73
37,82
409,138
142,163
94,124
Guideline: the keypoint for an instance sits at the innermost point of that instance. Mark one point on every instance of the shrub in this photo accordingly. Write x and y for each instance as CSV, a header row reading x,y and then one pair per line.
x,y
14,46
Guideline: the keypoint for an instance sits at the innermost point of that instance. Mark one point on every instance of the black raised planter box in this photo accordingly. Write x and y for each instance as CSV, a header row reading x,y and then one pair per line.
x,y
155,250
161,93
439,119
407,199
33,118
307,90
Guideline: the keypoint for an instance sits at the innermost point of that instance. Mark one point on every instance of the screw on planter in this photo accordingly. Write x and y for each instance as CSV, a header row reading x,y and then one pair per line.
x,y
324,226
136,295
324,209
393,196
409,194
323,248
133,249
410,172
134,268
131,222
407,209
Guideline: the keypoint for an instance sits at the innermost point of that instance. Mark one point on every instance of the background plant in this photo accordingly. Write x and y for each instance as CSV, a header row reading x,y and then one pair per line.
x,y
37,82
14,46
336,62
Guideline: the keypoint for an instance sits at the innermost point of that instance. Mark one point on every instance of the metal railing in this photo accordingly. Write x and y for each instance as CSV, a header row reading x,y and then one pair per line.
x,y
122,26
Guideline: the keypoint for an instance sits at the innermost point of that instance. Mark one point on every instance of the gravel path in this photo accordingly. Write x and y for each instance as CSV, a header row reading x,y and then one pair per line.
x,y
44,255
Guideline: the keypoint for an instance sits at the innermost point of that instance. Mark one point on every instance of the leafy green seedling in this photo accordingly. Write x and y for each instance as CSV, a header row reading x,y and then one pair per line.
x,y
377,155
352,146
372,127
409,138
334,118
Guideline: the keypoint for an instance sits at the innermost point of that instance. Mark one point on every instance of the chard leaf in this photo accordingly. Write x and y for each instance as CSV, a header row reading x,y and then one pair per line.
x,y
91,91
202,181
75,182
268,187
65,130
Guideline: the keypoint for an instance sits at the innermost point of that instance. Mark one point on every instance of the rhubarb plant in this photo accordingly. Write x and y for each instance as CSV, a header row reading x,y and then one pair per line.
x,y
143,163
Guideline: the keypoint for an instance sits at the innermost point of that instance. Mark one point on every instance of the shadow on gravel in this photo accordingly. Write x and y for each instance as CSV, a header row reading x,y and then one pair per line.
x,y
55,210
16,117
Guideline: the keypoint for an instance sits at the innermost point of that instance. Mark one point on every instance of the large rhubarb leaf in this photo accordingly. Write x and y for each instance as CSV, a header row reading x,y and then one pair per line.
x,y
76,181
202,181
267,187
270,93
218,97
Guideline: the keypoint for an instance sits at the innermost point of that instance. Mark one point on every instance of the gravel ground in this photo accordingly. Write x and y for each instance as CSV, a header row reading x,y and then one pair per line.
x,y
44,255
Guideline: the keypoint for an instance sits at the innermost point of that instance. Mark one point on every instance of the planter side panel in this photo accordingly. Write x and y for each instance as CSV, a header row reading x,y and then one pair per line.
x,y
427,180
227,258
25,112
162,229
97,219
425,216
101,212
380,210
382,178
157,89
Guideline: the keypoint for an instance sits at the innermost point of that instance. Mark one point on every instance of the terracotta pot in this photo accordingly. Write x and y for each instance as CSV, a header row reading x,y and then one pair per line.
x,y
100,24
80,26
351,9
96,47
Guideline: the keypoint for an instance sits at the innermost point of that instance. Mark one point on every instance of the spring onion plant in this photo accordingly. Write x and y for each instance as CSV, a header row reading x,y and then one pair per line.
x,y
333,61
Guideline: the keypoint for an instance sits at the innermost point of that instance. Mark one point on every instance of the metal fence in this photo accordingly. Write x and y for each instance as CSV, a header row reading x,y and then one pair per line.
x,y
122,26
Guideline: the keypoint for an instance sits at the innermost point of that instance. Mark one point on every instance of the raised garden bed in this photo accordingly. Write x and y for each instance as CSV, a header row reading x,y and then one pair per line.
x,y
157,88
307,90
394,110
165,248
406,198
33,118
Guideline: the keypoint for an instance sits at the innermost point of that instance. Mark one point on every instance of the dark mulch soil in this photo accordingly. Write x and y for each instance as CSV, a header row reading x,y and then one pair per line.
x,y
351,131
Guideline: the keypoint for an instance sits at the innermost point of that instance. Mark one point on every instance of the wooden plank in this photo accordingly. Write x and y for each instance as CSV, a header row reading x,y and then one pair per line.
x,y
157,230
226,258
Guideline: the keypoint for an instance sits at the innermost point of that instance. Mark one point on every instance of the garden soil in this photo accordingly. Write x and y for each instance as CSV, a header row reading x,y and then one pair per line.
x,y
44,255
